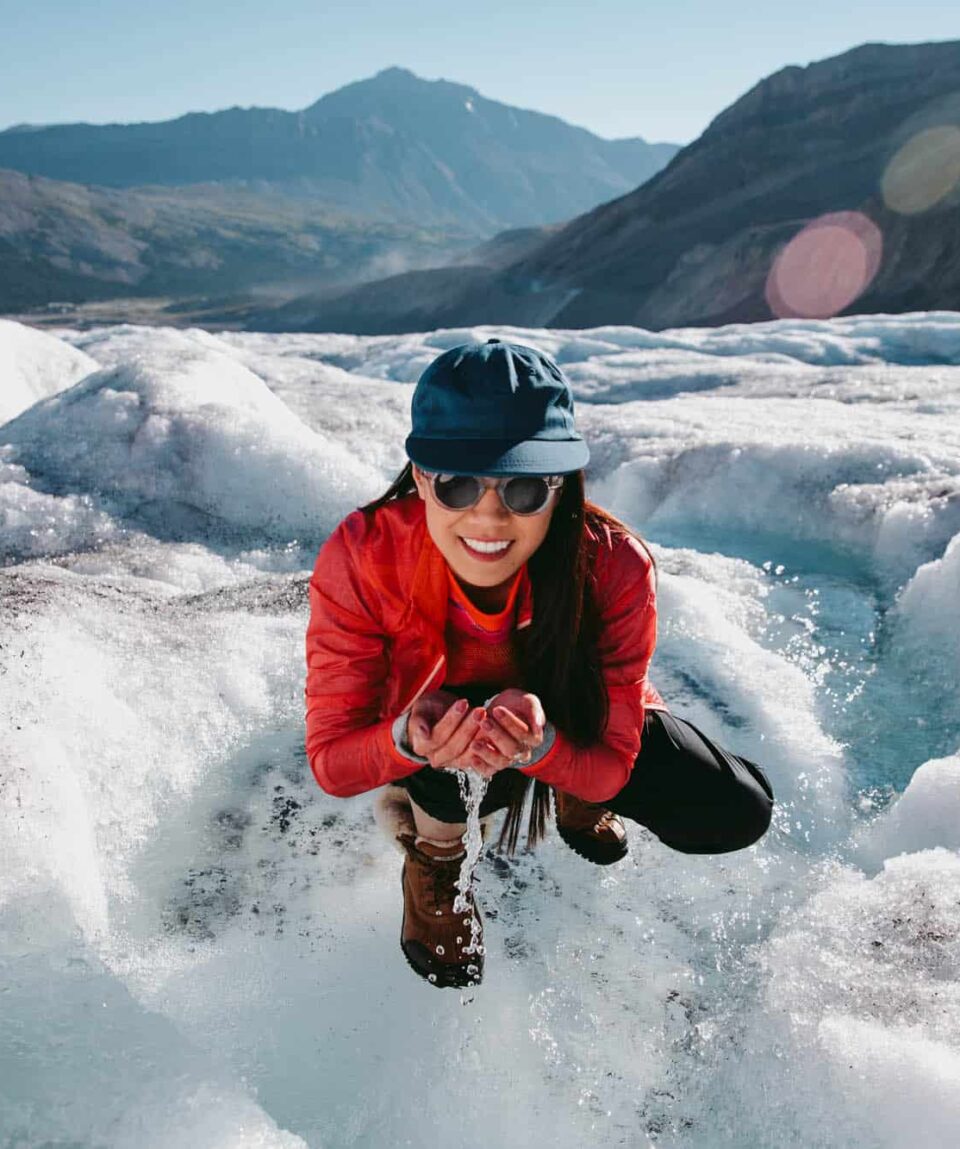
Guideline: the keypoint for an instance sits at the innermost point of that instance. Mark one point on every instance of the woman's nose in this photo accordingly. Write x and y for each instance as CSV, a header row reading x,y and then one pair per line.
x,y
490,504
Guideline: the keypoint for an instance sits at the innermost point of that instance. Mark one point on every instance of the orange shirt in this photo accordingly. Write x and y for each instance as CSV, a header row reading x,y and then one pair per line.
x,y
481,647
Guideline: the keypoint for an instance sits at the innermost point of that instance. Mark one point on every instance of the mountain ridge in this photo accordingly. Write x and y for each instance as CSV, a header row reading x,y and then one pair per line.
x,y
360,184
393,146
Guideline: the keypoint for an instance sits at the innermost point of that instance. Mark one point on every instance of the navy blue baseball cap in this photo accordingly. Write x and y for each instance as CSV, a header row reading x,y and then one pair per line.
x,y
495,408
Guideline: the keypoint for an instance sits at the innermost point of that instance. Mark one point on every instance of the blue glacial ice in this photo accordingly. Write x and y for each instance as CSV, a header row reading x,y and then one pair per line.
x,y
199,947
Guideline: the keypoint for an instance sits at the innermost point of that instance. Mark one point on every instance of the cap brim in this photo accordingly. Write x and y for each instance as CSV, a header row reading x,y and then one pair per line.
x,y
499,457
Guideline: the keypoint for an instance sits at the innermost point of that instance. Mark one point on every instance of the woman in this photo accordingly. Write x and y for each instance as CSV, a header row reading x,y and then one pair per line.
x,y
482,615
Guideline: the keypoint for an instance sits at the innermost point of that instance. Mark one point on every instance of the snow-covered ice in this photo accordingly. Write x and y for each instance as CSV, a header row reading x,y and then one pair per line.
x,y
34,365
199,947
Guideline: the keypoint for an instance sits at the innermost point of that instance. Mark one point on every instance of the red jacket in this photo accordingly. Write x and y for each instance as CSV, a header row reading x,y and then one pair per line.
x,y
375,643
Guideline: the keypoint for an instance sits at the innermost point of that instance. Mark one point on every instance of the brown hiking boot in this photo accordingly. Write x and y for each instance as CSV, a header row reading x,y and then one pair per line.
x,y
433,938
590,829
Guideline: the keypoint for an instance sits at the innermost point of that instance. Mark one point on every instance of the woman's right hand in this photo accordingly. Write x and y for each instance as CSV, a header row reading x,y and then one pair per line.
x,y
441,728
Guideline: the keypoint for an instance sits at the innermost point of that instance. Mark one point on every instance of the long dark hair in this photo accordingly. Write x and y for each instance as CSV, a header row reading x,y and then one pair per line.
x,y
558,651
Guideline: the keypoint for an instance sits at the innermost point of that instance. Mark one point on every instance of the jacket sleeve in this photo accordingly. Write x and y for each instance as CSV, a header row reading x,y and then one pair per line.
x,y
628,635
349,747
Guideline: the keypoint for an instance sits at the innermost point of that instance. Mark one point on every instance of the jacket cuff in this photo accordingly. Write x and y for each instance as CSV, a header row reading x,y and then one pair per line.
x,y
399,733
540,752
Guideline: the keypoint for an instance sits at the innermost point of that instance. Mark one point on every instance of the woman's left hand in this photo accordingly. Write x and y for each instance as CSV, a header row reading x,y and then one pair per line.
x,y
511,730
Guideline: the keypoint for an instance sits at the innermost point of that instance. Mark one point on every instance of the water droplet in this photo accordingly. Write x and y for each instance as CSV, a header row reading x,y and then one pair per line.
x,y
459,940
440,950
431,977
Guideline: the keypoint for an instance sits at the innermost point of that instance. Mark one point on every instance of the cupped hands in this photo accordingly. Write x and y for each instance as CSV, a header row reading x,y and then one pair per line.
x,y
452,735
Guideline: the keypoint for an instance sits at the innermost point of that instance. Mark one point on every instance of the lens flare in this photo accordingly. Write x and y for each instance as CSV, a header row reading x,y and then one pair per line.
x,y
825,267
924,170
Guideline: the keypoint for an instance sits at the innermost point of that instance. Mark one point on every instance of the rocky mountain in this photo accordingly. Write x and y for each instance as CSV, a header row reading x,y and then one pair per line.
x,y
394,147
825,189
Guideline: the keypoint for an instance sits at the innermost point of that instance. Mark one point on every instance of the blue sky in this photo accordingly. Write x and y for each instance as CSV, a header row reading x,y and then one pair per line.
x,y
661,70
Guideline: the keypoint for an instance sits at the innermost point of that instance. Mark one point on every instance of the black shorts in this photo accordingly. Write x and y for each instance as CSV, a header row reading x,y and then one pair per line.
x,y
693,794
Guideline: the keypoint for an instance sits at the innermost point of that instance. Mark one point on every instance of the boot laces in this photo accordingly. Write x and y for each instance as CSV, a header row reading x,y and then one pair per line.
x,y
443,878
603,822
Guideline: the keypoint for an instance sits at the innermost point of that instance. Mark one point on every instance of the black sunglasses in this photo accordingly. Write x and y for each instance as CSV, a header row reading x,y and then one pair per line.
x,y
520,494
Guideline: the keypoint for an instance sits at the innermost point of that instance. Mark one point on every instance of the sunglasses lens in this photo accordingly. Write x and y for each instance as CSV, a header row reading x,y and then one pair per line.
x,y
521,494
526,495
457,491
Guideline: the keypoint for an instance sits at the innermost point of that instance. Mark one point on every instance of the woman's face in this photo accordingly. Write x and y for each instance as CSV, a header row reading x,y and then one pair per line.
x,y
488,522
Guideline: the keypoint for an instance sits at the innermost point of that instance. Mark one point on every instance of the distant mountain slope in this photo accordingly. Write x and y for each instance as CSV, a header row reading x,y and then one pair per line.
x,y
62,241
696,245
394,146
428,292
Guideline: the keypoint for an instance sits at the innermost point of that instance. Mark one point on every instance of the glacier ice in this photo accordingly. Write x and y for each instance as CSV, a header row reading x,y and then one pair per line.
x,y
200,947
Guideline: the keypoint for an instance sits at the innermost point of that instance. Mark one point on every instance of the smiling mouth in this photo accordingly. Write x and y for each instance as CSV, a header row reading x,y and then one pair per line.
x,y
486,550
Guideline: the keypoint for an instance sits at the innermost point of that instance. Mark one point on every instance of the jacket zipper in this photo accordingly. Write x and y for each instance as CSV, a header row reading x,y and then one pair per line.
x,y
426,682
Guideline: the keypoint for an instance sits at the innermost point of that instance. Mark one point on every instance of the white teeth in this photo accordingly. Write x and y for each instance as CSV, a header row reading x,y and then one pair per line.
x,y
487,548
